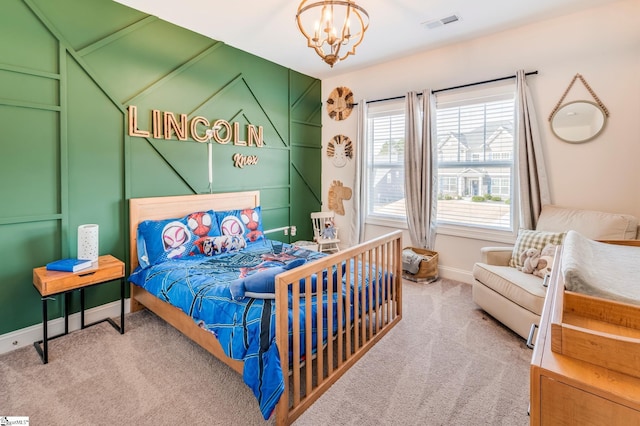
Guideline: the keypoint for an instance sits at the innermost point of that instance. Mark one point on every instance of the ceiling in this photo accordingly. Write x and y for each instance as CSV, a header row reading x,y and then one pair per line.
x,y
267,28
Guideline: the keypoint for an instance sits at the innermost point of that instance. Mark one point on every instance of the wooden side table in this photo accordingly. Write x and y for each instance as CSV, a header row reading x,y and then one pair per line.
x,y
51,283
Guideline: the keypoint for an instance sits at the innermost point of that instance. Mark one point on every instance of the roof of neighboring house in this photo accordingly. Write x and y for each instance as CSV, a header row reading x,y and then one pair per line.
x,y
475,139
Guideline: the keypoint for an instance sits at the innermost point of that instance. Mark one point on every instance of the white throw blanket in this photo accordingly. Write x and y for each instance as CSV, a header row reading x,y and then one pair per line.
x,y
599,269
411,261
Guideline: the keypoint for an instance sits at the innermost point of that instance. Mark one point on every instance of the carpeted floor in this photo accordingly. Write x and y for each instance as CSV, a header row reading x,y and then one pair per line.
x,y
445,363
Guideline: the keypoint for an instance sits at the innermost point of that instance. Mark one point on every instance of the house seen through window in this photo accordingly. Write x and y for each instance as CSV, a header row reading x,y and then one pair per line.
x,y
475,138
385,161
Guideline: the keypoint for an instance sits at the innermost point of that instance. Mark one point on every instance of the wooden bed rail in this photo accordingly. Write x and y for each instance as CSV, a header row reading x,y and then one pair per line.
x,y
355,320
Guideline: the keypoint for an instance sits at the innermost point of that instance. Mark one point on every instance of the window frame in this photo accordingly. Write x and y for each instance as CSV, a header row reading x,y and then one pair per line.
x,y
459,230
461,97
388,108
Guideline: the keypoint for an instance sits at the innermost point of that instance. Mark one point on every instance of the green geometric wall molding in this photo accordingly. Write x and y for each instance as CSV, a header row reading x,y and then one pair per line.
x,y
69,70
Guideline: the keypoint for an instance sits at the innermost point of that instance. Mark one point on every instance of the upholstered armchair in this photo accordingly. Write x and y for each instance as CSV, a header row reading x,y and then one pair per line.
x,y
515,298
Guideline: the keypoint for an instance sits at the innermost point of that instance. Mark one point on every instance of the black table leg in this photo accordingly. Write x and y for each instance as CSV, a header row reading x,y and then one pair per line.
x,y
82,308
42,346
120,327
45,347
121,305
67,305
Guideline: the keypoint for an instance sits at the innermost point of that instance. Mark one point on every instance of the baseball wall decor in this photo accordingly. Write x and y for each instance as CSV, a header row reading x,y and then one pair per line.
x,y
340,103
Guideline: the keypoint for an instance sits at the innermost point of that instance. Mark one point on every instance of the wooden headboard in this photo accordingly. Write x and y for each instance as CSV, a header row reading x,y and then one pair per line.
x,y
156,208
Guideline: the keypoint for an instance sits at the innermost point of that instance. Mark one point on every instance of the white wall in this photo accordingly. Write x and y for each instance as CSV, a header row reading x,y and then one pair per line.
x,y
602,44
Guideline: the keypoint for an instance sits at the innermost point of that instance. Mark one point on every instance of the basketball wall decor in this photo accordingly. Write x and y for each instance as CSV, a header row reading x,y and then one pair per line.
x,y
340,103
339,149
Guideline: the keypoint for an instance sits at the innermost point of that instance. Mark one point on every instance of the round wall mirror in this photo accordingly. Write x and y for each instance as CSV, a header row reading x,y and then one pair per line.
x,y
578,121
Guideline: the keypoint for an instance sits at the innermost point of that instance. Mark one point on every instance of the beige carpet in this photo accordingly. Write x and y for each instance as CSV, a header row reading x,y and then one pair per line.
x,y
445,363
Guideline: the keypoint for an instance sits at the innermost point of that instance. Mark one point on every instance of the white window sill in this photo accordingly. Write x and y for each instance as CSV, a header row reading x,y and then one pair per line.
x,y
484,234
390,223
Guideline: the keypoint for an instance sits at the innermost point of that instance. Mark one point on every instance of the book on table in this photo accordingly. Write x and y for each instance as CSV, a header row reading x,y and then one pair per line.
x,y
69,265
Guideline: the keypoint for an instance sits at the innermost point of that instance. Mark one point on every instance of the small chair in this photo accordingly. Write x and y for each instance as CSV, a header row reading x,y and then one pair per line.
x,y
325,232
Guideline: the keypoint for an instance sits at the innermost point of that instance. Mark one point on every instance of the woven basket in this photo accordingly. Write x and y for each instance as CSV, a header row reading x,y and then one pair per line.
x,y
428,266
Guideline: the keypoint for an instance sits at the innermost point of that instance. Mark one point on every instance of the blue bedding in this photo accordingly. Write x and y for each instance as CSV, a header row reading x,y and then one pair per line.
x,y
246,328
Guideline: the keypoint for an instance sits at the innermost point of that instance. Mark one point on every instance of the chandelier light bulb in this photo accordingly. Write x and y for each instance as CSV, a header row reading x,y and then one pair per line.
x,y
330,22
327,15
331,39
316,31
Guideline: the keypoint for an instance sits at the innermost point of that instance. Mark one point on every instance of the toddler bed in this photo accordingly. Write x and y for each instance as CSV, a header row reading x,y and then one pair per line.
x,y
228,294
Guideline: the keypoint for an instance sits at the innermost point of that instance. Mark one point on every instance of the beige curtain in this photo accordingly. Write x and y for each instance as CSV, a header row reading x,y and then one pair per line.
x,y
532,175
359,211
420,170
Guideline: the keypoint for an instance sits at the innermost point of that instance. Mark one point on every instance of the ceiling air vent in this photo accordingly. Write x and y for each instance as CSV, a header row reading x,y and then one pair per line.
x,y
435,23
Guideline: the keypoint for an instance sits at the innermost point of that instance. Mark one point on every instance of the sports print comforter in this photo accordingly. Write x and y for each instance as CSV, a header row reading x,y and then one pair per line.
x,y
246,329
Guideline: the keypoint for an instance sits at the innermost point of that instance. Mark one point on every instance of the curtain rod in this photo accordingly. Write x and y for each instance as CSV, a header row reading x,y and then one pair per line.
x,y
453,88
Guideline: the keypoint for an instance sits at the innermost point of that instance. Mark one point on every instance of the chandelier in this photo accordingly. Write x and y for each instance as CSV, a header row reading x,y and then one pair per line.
x,y
332,25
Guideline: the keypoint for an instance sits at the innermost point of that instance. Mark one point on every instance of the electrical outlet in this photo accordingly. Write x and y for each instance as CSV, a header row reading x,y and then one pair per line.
x,y
286,231
293,231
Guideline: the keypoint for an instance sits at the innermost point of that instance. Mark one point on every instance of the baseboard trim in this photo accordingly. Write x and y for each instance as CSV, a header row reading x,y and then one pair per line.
x,y
455,274
26,336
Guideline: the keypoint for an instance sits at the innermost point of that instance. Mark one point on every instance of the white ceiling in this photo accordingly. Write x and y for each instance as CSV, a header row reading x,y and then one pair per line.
x,y
267,28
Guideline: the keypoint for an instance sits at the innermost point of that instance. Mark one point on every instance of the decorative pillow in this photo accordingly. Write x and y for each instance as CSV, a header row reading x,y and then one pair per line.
x,y
262,284
533,239
159,240
247,222
222,244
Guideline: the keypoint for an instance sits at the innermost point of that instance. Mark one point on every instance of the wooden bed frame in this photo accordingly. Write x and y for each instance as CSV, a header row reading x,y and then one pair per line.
x,y
307,380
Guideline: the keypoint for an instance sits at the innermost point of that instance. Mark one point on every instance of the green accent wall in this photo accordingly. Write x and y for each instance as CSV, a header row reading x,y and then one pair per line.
x,y
68,71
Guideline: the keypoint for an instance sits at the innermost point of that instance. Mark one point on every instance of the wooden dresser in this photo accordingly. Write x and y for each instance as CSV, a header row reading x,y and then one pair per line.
x,y
585,368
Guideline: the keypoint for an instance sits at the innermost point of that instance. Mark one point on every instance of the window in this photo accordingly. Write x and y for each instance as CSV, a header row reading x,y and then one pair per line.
x,y
475,140
500,186
385,161
448,186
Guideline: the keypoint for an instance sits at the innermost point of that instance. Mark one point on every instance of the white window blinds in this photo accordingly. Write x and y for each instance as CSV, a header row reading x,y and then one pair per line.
x,y
385,182
475,134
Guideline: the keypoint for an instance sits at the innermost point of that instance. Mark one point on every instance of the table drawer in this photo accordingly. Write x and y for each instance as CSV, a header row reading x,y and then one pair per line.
x,y
54,282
